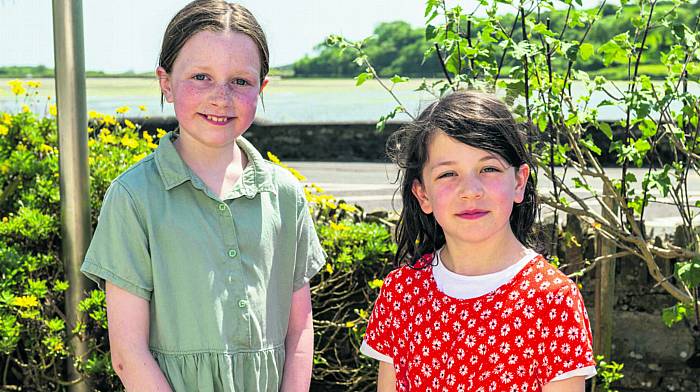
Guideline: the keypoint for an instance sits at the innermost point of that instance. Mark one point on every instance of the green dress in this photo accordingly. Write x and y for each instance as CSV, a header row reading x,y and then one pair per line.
x,y
218,274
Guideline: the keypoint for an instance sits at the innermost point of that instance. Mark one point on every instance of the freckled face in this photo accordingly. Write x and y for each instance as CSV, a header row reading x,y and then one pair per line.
x,y
470,191
214,85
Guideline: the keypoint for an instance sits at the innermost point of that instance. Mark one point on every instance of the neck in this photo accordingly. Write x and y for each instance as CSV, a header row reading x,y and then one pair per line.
x,y
201,157
484,257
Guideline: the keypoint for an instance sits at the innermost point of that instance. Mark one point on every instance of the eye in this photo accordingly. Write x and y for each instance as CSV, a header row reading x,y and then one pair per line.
x,y
200,77
491,169
241,82
446,175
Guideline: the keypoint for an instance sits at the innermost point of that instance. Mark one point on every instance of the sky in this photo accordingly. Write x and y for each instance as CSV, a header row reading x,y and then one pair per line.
x,y
124,35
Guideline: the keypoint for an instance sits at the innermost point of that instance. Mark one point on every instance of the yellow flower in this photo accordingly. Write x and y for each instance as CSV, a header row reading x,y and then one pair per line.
x,y
26,109
4,169
338,226
272,157
161,132
129,142
53,110
107,137
152,145
329,268
4,130
122,109
147,136
129,124
28,301
95,115
4,219
317,188
33,84
46,148
16,87
6,118
349,324
296,174
376,283
142,108
21,147
109,120
138,157
347,207
91,142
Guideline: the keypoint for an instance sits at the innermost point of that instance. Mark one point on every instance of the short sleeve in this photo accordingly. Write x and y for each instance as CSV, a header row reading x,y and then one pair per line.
x,y
568,345
119,251
310,257
379,336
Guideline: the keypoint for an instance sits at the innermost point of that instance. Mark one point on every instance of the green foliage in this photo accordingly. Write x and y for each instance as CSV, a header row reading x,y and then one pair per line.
x,y
608,373
396,48
34,334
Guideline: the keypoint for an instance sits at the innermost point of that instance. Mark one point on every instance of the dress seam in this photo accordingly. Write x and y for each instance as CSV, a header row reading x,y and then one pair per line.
x,y
216,351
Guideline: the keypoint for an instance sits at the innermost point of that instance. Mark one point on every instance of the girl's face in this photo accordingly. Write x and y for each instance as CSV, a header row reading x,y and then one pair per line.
x,y
470,191
214,85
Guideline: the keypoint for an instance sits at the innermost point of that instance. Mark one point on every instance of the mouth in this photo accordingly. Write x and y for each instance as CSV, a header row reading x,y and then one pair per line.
x,y
472,214
216,120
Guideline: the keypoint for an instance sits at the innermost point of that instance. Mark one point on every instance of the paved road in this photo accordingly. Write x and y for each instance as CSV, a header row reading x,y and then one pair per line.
x,y
372,186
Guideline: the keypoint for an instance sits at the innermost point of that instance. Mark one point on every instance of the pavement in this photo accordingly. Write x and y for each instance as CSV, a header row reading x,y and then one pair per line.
x,y
373,186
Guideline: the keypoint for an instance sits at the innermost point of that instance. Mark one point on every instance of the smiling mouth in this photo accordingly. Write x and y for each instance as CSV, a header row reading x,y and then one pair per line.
x,y
472,214
216,120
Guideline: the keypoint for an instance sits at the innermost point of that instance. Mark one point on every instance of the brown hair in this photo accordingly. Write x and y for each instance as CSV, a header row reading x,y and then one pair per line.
x,y
479,120
215,16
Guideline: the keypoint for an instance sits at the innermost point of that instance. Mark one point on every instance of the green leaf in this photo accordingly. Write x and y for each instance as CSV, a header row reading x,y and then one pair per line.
x,y
398,79
642,146
589,144
585,51
675,314
363,77
689,273
605,128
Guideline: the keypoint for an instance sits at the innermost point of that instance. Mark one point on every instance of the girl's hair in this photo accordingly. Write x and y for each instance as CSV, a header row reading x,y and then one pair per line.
x,y
215,16
479,120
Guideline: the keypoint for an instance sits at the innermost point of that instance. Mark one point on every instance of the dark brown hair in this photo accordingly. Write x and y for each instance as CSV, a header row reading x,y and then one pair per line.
x,y
216,16
479,120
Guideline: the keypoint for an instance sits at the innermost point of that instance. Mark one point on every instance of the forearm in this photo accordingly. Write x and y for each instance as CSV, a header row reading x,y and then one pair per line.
x,y
298,361
299,344
138,371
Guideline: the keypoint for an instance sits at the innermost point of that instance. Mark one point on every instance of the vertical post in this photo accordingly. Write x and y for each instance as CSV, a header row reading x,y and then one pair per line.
x,y
73,166
604,291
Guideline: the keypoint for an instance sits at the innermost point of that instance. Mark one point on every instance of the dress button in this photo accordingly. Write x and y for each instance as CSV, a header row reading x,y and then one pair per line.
x,y
222,207
232,253
242,303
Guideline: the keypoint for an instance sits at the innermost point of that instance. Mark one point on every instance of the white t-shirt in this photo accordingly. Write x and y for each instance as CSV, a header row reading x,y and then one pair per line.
x,y
465,287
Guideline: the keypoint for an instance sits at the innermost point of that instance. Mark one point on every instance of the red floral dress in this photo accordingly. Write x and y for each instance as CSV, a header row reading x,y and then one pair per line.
x,y
516,338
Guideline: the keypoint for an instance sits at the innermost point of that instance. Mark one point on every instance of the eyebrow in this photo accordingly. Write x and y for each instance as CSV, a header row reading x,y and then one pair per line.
x,y
483,159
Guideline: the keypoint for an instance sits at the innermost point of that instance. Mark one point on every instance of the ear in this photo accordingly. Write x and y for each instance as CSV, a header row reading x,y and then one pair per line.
x,y
521,176
263,84
164,81
418,190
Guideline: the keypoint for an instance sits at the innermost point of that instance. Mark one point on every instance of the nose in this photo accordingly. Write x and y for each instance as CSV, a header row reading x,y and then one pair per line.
x,y
222,94
471,187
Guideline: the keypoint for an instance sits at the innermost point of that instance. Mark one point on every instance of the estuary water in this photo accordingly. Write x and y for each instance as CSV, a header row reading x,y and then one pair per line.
x,y
283,101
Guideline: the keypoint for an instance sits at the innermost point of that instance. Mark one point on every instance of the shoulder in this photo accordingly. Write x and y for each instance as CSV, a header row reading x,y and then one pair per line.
x,y
406,276
551,283
139,177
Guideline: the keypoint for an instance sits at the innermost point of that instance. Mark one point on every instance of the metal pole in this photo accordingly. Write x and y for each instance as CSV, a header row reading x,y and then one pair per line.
x,y
73,163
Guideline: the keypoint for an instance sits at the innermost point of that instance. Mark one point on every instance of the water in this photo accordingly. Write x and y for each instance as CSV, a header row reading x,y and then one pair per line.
x,y
285,100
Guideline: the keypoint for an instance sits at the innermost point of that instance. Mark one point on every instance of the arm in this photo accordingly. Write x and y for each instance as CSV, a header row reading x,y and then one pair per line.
x,y
127,318
386,378
299,344
573,384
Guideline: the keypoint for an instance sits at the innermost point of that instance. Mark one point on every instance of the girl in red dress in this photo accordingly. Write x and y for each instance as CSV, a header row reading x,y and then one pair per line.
x,y
474,308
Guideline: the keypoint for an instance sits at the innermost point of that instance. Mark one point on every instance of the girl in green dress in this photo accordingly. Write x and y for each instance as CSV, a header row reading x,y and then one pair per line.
x,y
205,249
